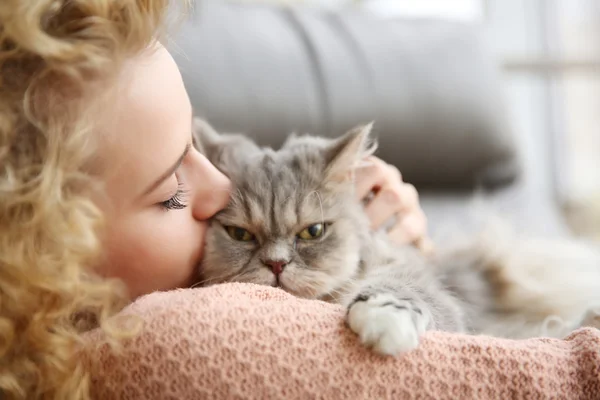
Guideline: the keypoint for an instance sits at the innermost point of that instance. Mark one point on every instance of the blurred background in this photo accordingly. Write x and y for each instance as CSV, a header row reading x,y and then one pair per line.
x,y
547,53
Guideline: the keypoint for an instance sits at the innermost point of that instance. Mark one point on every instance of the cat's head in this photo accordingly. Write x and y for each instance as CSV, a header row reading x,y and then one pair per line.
x,y
293,220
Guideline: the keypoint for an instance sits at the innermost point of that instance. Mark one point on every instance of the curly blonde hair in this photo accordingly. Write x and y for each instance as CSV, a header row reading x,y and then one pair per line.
x,y
54,57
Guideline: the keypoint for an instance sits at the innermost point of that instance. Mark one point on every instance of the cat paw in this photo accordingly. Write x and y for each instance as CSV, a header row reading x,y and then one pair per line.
x,y
388,325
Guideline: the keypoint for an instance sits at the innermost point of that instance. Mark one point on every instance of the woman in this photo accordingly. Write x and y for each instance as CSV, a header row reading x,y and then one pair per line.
x,y
103,197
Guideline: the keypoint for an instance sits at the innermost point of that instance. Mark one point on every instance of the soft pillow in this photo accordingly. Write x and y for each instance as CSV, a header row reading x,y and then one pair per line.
x,y
241,341
433,87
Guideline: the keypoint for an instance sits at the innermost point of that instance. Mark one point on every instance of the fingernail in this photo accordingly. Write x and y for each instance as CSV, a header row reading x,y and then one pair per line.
x,y
426,246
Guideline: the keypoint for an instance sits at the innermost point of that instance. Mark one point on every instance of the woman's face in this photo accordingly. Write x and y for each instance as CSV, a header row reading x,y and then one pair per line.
x,y
159,190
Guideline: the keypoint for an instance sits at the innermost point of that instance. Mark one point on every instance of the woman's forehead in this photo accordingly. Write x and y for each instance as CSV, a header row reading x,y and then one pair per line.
x,y
147,121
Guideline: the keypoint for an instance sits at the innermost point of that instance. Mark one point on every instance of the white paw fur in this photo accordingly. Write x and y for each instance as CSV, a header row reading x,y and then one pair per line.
x,y
387,329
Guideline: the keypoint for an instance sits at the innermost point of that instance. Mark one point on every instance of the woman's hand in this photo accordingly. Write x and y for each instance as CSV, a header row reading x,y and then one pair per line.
x,y
392,203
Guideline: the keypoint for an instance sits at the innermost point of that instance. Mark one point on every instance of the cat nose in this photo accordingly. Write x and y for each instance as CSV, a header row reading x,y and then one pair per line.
x,y
275,265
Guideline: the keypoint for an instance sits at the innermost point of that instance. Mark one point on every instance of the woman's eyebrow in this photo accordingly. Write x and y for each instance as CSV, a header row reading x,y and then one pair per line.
x,y
169,172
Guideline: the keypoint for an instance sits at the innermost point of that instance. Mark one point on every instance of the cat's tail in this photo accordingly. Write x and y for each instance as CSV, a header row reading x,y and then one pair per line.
x,y
520,286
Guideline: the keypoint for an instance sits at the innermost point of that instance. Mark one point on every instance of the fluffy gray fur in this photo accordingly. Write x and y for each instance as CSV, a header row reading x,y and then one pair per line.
x,y
392,293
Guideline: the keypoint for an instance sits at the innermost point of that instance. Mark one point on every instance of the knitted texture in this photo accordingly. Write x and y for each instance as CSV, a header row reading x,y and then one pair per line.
x,y
241,341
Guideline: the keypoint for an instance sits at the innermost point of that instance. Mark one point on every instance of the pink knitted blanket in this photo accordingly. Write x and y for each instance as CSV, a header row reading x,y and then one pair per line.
x,y
241,341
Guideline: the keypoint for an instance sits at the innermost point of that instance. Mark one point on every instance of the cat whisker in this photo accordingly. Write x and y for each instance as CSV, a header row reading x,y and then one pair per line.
x,y
219,278
238,194
316,192
336,295
312,287
195,285
321,206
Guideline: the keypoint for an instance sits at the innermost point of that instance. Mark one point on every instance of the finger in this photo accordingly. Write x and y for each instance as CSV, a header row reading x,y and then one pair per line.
x,y
391,200
394,173
411,228
409,198
385,204
370,176
425,245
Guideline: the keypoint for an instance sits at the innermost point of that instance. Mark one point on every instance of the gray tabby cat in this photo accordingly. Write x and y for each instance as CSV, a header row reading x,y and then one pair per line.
x,y
293,222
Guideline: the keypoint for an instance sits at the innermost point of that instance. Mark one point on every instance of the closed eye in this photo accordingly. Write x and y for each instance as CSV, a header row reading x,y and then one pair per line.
x,y
177,201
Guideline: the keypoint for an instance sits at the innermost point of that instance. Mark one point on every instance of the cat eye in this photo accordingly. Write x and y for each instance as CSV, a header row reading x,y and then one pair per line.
x,y
312,232
239,234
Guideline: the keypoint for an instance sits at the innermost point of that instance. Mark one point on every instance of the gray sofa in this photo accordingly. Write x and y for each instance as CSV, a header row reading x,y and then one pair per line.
x,y
432,88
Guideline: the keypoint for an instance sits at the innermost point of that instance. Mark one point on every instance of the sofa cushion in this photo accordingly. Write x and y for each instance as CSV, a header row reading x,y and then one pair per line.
x,y
430,86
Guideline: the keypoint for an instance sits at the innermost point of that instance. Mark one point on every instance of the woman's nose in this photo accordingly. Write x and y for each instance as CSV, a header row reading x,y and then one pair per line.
x,y
211,189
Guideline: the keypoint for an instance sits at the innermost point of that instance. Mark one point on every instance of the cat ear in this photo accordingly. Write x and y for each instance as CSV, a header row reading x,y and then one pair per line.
x,y
206,139
227,152
214,146
345,153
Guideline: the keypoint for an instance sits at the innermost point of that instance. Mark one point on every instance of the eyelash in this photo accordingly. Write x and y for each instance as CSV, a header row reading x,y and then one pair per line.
x,y
177,202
